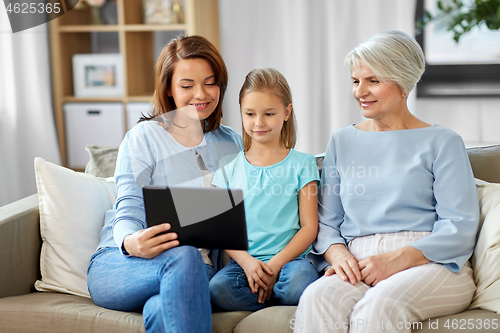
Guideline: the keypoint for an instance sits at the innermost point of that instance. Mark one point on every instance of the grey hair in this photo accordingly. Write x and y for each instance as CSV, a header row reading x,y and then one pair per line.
x,y
393,56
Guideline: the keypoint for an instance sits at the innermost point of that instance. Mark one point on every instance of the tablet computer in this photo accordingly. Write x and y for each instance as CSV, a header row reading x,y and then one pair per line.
x,y
204,217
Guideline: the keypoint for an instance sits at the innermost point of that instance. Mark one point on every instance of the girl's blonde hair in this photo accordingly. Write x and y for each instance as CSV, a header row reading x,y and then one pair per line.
x,y
271,81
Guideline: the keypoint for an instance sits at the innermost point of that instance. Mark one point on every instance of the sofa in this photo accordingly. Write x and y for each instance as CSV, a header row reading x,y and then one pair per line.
x,y
32,301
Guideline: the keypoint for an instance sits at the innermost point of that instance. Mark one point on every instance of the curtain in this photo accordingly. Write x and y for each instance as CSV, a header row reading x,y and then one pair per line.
x,y
307,41
27,127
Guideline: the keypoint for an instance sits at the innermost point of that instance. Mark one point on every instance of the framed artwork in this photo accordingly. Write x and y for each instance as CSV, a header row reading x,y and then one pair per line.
x,y
98,75
469,68
163,11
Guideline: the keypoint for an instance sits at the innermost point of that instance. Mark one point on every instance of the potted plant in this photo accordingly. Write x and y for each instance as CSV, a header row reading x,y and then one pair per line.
x,y
462,17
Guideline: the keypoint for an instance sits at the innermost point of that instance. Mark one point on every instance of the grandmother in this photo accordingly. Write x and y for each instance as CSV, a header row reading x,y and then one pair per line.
x,y
398,208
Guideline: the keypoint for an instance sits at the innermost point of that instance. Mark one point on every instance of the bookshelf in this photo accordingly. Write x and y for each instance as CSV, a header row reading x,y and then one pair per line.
x,y
138,43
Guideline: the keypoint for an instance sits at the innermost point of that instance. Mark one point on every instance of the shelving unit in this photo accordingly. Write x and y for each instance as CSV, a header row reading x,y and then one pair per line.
x,y
72,34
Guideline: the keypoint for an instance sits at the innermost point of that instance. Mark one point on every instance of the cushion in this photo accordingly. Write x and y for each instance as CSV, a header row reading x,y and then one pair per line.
x,y
485,162
319,162
72,209
60,313
102,160
276,319
486,257
225,322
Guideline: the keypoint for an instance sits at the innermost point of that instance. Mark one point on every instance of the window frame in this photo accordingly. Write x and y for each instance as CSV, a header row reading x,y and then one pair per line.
x,y
471,80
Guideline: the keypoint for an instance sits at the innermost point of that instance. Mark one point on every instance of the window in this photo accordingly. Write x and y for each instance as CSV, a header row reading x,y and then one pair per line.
x,y
469,68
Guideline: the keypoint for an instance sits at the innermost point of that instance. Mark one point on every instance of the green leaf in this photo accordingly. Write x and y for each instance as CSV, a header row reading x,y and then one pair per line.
x,y
440,5
498,13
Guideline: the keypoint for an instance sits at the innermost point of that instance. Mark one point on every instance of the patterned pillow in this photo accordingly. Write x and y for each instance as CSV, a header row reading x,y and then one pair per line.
x,y
102,161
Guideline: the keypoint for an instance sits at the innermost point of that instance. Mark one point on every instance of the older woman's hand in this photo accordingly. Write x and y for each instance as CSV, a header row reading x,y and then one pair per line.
x,y
377,268
344,264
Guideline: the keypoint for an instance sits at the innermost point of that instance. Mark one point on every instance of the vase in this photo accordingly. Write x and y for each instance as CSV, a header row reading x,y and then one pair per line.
x,y
95,15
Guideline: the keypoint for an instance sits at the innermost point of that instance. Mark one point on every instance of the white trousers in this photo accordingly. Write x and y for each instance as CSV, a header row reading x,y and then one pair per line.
x,y
396,304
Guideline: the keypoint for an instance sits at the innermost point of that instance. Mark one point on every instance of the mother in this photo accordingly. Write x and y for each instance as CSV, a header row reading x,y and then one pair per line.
x,y
180,144
398,207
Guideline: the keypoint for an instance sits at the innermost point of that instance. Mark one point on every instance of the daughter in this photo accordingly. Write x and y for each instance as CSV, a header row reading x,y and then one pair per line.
x,y
281,204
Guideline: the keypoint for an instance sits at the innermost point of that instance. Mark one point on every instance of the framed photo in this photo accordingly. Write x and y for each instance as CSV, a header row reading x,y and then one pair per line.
x,y
163,11
98,75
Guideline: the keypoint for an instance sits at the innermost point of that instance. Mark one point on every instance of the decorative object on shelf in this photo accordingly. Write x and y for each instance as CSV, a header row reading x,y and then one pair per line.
x,y
95,7
77,4
109,12
464,15
98,75
163,11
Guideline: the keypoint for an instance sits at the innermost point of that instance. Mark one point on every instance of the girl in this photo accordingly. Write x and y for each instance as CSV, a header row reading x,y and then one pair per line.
x,y
133,268
281,205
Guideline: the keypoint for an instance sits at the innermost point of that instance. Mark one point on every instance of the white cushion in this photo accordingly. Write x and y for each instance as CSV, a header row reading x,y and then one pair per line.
x,y
72,209
486,257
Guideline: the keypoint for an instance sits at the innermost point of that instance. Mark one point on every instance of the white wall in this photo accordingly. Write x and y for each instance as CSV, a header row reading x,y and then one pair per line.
x,y
307,40
477,120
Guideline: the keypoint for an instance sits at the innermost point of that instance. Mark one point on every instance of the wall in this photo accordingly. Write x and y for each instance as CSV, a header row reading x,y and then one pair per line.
x,y
307,41
477,120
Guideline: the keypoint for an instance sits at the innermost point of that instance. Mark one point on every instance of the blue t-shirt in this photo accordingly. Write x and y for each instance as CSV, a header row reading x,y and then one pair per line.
x,y
270,198
384,182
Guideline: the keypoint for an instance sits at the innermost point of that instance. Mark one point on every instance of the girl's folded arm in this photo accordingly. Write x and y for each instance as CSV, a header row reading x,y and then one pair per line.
x,y
308,215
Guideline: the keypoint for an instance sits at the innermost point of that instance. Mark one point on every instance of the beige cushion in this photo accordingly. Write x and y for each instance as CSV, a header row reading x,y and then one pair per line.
x,y
480,321
72,209
225,322
20,244
102,162
275,319
485,162
486,256
60,313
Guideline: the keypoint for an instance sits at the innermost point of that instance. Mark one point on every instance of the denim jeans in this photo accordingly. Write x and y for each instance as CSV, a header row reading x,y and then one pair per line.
x,y
171,289
229,287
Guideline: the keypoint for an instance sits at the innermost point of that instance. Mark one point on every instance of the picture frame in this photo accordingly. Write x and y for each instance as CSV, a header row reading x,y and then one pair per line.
x,y
98,75
163,11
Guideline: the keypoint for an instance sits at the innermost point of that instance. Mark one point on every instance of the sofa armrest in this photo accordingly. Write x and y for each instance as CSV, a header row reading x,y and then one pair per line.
x,y
20,245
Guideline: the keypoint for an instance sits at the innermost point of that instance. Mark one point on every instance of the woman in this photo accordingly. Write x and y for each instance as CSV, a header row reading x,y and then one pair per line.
x,y
180,144
398,207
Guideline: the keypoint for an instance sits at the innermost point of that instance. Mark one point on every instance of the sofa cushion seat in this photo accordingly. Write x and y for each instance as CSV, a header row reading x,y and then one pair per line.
x,y
479,321
54,312
43,312
266,320
225,322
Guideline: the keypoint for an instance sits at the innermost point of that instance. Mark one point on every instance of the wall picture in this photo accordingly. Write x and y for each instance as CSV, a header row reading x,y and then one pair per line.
x,y
98,75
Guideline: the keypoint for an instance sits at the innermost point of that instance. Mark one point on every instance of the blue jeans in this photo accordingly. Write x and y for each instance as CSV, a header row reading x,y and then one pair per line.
x,y
171,289
229,287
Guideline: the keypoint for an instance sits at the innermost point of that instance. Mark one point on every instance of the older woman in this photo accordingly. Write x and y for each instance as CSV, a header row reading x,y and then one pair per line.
x,y
398,207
